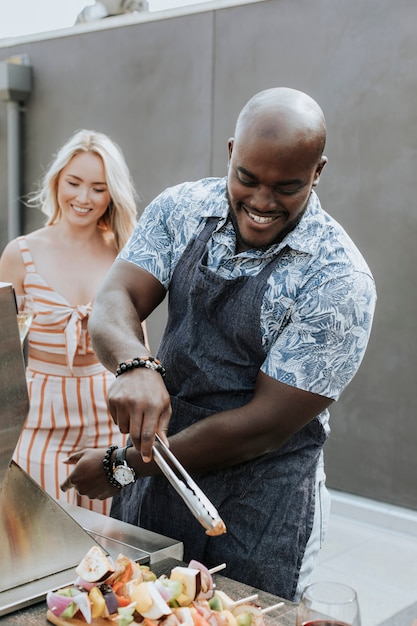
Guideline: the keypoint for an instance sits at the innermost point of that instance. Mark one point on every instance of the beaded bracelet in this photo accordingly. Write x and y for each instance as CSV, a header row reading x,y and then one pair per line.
x,y
107,467
141,361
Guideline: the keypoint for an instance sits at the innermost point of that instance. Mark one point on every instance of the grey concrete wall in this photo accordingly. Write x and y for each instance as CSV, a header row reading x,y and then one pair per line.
x,y
168,89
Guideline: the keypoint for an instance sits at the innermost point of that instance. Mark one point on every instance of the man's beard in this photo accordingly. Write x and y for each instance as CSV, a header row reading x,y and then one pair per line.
x,y
280,237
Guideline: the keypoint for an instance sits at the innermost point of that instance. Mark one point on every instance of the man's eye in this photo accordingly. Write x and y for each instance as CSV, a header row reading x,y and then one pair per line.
x,y
289,191
246,182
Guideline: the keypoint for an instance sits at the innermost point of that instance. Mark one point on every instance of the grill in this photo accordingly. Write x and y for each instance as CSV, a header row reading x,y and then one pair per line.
x,y
41,540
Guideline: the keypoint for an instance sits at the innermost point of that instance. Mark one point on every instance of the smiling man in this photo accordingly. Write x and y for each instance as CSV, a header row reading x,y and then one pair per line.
x,y
270,311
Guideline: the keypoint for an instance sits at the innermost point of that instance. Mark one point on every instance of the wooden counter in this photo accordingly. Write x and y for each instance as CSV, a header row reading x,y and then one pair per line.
x,y
284,616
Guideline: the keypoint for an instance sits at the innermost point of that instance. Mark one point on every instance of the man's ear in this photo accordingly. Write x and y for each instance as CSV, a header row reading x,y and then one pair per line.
x,y
229,148
319,169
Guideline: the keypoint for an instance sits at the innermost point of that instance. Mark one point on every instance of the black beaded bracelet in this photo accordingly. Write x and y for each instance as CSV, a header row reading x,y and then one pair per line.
x,y
141,361
107,467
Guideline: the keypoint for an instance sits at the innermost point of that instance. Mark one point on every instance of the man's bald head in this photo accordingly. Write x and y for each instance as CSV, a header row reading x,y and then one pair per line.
x,y
282,113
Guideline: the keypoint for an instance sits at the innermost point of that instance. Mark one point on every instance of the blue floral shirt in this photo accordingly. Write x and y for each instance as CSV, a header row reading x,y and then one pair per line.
x,y
318,307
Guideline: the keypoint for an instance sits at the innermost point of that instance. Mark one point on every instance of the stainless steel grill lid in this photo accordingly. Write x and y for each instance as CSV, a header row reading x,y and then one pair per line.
x,y
37,537
14,401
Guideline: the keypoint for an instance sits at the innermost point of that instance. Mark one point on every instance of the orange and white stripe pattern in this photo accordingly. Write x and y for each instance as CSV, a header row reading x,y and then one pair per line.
x,y
57,327
68,409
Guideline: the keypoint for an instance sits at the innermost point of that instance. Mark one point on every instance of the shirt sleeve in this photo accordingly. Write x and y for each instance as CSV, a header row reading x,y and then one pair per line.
x,y
322,340
151,244
164,230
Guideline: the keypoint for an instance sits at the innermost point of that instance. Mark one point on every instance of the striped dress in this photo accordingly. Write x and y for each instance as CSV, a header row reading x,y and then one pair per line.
x,y
68,409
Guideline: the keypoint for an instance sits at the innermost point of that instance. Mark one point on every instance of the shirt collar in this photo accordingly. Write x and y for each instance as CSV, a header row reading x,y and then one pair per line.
x,y
217,205
307,234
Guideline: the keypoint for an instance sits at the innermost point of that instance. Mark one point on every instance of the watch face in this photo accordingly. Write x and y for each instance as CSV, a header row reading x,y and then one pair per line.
x,y
124,475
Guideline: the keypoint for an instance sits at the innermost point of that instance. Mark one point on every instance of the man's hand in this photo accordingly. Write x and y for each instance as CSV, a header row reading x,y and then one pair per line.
x,y
140,406
88,477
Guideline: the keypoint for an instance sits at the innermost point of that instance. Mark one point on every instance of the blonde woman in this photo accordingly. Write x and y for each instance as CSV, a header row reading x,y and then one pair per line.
x,y
89,199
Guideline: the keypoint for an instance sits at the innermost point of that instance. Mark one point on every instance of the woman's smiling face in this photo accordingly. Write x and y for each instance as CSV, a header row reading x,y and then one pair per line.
x,y
82,189
273,167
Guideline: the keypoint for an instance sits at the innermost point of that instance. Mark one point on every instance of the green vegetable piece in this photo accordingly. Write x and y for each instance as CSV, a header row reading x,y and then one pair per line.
x,y
70,611
215,604
125,615
174,587
66,592
244,619
148,574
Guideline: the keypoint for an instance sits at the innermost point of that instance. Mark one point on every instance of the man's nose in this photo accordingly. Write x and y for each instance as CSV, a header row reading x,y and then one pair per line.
x,y
263,198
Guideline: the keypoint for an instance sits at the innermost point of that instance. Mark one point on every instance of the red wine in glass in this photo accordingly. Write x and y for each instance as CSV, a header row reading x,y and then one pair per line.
x,y
328,604
325,622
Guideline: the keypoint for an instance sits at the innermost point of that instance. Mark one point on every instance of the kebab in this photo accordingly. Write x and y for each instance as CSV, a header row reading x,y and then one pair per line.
x,y
124,592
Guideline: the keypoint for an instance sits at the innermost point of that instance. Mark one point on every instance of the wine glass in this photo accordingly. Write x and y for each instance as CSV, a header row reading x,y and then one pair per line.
x,y
328,604
24,315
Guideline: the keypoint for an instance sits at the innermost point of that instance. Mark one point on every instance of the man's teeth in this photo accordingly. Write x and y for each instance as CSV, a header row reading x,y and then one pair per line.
x,y
80,210
261,220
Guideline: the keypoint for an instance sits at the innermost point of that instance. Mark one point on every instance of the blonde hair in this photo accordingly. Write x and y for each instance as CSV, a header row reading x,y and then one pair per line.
x,y
121,215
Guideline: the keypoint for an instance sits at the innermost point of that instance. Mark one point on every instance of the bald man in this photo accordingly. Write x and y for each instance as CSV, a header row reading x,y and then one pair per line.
x,y
270,311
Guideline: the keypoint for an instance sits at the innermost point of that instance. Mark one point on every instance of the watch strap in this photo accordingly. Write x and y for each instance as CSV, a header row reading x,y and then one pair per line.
x,y
120,460
120,457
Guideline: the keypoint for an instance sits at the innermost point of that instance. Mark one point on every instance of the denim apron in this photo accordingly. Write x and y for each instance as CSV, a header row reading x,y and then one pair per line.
x,y
212,351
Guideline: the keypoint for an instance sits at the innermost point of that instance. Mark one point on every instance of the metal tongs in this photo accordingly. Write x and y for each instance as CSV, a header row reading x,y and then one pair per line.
x,y
198,503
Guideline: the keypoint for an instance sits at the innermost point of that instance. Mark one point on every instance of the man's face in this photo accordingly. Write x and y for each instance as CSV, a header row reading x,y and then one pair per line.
x,y
269,185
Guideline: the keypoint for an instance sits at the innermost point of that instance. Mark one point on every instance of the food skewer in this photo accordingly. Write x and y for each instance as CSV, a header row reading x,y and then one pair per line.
x,y
273,607
254,596
222,566
233,603
213,570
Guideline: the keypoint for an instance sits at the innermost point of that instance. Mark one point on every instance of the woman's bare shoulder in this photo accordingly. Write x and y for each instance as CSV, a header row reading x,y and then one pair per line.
x,y
12,269
11,250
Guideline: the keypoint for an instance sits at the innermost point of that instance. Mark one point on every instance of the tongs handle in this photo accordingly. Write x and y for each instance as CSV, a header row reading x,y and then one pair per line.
x,y
198,503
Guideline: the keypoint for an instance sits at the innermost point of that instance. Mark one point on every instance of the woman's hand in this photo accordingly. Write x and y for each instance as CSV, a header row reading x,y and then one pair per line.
x,y
88,477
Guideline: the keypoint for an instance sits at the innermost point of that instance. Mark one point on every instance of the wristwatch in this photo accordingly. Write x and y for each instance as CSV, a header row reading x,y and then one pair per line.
x,y
122,472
